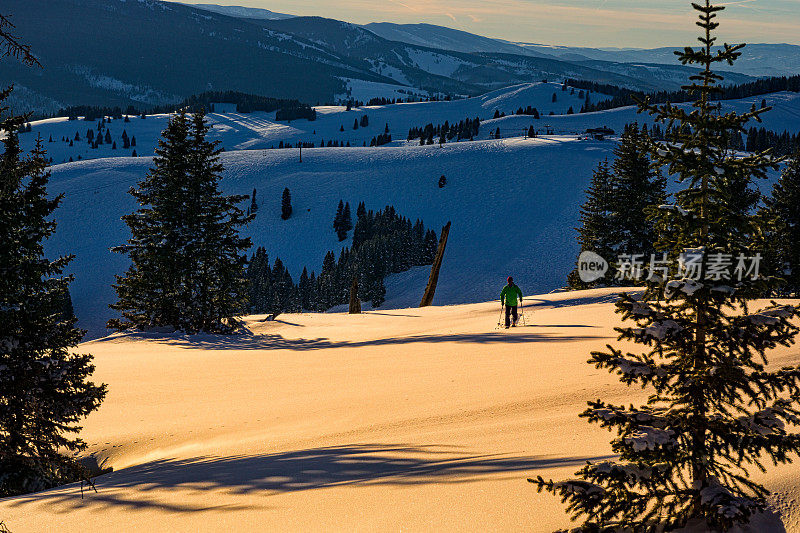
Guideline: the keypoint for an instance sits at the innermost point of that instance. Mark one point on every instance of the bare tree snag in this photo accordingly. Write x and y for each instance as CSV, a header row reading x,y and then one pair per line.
x,y
430,290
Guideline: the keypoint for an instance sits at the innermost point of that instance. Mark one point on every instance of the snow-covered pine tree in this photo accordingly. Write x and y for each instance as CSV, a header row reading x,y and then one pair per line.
x,y
782,216
44,389
716,411
597,223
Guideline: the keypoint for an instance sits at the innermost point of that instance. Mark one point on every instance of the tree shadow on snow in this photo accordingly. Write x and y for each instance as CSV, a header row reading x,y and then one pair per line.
x,y
270,341
279,473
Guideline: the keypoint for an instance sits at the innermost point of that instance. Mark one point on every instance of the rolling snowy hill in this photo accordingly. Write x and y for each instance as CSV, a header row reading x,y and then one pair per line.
x,y
238,131
513,201
513,204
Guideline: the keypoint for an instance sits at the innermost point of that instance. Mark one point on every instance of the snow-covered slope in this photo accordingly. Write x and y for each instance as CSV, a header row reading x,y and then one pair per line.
x,y
513,201
513,204
413,420
260,130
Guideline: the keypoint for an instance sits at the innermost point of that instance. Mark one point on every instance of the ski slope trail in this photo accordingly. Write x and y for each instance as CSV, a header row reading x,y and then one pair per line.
x,y
412,419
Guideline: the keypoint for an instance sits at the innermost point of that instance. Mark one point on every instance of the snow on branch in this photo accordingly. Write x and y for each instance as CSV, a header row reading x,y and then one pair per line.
x,y
674,208
650,438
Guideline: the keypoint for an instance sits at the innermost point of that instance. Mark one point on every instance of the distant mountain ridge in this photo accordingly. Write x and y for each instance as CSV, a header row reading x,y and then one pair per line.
x,y
243,12
758,59
150,52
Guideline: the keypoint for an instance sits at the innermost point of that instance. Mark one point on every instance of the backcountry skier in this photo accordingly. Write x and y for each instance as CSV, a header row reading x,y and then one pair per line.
x,y
508,298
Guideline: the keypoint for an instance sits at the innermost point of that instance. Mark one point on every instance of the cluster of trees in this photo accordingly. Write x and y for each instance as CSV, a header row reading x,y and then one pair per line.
x,y
296,111
464,129
783,144
528,111
343,220
779,215
381,139
614,219
91,113
245,103
621,96
383,243
99,138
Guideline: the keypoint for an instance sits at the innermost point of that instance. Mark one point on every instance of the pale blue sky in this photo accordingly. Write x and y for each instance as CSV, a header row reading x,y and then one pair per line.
x,y
639,23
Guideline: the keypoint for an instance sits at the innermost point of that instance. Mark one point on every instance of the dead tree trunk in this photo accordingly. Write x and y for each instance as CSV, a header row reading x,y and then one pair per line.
x,y
430,290
355,302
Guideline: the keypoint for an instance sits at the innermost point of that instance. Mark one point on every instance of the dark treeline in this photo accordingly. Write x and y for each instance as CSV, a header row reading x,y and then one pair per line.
x,y
621,96
245,103
528,111
464,129
382,100
383,243
781,143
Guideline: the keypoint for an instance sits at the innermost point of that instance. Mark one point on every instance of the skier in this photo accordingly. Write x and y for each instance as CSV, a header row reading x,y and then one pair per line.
x,y
508,298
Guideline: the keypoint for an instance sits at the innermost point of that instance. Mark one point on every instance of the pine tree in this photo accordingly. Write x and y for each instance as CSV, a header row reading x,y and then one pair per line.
x,y
44,389
347,218
638,186
716,410
217,286
253,203
286,204
338,222
187,271
782,215
597,223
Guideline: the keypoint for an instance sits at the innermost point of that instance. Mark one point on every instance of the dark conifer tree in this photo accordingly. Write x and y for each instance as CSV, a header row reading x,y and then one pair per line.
x,y
286,204
716,410
347,218
638,187
253,203
781,218
187,267
597,223
338,222
44,388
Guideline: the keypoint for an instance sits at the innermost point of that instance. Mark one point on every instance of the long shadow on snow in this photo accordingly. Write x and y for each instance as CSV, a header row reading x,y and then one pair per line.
x,y
278,473
270,341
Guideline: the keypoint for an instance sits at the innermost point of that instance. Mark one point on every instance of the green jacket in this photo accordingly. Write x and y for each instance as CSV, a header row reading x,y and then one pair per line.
x,y
509,295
